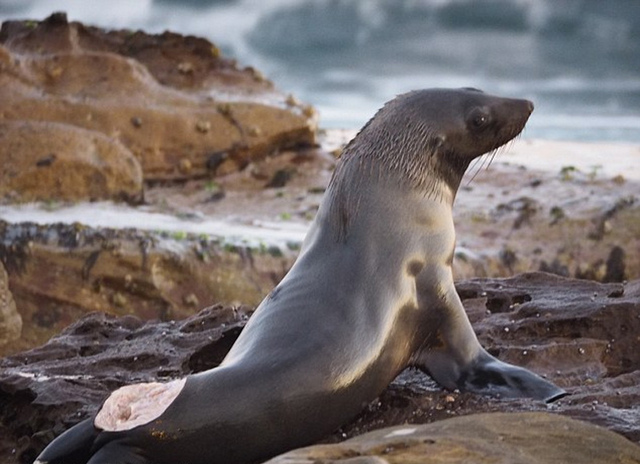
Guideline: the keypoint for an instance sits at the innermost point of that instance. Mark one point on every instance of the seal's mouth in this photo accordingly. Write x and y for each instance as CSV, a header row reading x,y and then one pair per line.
x,y
483,162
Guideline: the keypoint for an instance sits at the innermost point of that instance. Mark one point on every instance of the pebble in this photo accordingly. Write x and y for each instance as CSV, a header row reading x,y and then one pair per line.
x,y
203,126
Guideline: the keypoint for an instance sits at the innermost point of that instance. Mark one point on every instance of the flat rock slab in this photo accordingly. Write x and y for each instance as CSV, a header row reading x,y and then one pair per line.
x,y
582,335
59,273
490,438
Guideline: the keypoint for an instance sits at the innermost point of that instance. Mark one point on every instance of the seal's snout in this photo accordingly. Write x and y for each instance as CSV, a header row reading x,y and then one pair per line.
x,y
529,106
522,107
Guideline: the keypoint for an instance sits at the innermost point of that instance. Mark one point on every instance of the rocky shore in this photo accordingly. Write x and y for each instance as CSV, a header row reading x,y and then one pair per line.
x,y
231,239
580,334
144,177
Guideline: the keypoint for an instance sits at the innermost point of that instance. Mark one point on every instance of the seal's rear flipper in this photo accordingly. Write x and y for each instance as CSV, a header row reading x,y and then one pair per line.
x,y
72,447
116,453
487,375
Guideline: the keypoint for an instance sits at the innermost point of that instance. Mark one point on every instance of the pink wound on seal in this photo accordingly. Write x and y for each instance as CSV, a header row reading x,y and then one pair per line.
x,y
139,404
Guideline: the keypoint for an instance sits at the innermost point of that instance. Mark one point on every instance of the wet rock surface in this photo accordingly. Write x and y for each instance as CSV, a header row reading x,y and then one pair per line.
x,y
174,102
583,335
59,273
499,438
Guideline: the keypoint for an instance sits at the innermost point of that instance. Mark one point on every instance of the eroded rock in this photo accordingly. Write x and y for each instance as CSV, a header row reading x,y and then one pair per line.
x,y
44,161
172,100
59,273
582,335
10,319
498,438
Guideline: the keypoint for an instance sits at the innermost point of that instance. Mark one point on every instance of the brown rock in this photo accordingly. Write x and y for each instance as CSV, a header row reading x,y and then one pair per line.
x,y
582,335
10,320
60,273
498,438
165,97
43,161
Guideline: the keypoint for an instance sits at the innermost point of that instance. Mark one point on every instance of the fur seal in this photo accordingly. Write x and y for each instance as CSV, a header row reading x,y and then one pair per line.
x,y
371,293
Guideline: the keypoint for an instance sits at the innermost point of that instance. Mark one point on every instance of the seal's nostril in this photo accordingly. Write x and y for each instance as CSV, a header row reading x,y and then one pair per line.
x,y
530,106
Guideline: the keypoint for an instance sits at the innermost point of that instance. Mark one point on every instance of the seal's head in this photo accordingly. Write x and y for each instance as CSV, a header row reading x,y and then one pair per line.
x,y
463,122
429,136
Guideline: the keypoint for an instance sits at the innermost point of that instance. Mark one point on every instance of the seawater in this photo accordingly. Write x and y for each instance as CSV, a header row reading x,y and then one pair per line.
x,y
578,60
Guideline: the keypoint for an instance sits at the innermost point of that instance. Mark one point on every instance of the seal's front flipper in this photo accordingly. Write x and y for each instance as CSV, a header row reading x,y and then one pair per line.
x,y
487,375
72,447
452,355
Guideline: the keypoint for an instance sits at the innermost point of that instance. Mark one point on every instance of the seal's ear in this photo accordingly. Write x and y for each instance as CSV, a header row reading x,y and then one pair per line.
x,y
472,89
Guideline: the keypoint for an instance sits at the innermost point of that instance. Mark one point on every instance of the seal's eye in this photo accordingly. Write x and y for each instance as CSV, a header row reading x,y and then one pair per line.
x,y
478,119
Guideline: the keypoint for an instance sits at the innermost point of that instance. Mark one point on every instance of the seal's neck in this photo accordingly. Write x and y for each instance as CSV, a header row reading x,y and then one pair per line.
x,y
451,169
361,179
